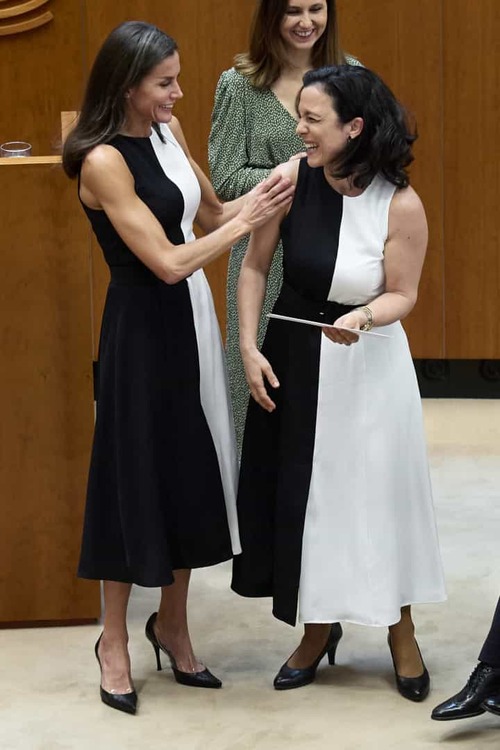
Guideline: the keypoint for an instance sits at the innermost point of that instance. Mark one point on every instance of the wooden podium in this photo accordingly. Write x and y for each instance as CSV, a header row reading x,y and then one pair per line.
x,y
46,407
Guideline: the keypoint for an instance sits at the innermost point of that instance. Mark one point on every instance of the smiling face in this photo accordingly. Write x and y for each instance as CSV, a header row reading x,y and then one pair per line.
x,y
324,134
303,24
153,99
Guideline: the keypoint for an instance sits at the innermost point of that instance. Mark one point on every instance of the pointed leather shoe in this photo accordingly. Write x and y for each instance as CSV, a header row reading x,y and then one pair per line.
x,y
413,688
126,702
492,704
483,683
203,679
289,678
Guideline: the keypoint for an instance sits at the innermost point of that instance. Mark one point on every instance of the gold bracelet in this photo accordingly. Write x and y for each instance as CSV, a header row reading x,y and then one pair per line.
x,y
369,318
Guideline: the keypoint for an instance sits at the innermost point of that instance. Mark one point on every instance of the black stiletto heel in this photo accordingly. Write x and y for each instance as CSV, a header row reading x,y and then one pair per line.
x,y
204,679
156,650
289,678
126,702
331,654
413,688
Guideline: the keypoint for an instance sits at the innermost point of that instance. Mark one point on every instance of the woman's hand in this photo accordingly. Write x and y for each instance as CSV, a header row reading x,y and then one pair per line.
x,y
257,368
264,201
354,319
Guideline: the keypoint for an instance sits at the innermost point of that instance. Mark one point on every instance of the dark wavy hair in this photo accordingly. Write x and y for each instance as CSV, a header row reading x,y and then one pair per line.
x,y
264,60
384,146
127,55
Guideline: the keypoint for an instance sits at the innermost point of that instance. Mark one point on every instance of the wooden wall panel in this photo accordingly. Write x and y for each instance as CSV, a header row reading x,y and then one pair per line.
x,y
45,382
42,73
472,178
402,41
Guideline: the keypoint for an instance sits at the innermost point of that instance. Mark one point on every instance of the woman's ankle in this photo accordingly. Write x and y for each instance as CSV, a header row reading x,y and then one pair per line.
x,y
114,638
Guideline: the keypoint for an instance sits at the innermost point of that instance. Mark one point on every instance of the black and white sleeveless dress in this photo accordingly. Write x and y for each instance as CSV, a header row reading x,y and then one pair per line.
x,y
334,502
162,483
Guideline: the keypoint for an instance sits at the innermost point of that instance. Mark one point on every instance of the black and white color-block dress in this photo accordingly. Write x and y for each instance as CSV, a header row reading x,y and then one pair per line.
x,y
334,502
162,484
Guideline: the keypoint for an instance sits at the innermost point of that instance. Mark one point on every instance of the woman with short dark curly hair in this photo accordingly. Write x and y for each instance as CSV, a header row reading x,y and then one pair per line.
x,y
334,501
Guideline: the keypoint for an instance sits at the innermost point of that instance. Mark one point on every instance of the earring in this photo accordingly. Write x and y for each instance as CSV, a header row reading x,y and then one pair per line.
x,y
349,139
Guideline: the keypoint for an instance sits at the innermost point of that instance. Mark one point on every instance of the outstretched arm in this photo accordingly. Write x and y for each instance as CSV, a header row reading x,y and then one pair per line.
x,y
106,183
212,213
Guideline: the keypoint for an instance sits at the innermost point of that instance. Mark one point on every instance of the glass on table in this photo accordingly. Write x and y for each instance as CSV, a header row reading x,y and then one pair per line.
x,y
15,148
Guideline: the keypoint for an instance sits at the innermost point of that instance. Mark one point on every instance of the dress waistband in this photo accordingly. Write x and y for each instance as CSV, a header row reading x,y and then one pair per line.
x,y
133,275
294,304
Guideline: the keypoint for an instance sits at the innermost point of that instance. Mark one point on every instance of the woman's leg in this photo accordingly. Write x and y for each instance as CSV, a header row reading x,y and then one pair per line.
x,y
171,626
113,646
312,643
408,661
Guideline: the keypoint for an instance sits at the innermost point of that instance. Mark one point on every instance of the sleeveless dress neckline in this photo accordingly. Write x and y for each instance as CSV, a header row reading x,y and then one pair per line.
x,y
348,197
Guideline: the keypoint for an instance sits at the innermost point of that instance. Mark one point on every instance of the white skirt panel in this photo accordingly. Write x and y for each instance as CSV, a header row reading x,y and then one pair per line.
x,y
370,543
214,394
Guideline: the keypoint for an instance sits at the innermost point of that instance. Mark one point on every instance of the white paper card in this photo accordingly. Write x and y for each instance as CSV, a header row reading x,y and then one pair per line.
x,y
328,325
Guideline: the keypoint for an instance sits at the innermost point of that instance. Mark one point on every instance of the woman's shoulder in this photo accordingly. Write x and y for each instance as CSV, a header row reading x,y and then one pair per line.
x,y
102,157
406,205
232,80
105,172
289,169
407,197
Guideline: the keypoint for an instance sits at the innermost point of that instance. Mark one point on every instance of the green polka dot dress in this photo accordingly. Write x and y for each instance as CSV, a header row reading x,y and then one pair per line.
x,y
252,132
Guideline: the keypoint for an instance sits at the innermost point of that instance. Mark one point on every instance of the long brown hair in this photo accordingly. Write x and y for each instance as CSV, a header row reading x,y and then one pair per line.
x,y
128,54
263,62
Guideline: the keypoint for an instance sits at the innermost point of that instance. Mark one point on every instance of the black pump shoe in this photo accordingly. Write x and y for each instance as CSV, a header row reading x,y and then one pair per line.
x,y
289,678
474,698
413,688
204,679
126,702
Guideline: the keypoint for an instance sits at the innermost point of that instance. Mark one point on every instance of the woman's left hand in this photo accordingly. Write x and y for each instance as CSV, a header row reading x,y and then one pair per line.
x,y
355,319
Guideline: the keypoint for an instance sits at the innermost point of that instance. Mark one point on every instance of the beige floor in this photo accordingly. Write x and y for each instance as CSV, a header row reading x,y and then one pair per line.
x,y
49,681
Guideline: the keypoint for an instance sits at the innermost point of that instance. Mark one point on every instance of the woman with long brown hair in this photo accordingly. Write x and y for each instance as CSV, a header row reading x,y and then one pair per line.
x,y
253,130
160,498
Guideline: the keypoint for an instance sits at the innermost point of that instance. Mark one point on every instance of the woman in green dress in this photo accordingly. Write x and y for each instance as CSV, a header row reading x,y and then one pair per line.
x,y
253,130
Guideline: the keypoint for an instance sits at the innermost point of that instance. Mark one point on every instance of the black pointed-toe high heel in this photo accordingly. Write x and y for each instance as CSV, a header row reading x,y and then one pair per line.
x,y
289,678
126,702
204,679
413,688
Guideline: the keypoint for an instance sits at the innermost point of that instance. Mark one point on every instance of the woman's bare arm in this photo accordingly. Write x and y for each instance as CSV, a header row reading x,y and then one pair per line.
x,y
106,183
404,256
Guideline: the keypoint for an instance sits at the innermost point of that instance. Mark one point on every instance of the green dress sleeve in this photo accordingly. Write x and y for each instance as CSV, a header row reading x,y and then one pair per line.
x,y
350,60
231,172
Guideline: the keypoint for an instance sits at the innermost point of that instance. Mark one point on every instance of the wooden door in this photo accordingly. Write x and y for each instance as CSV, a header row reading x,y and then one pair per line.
x,y
471,127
